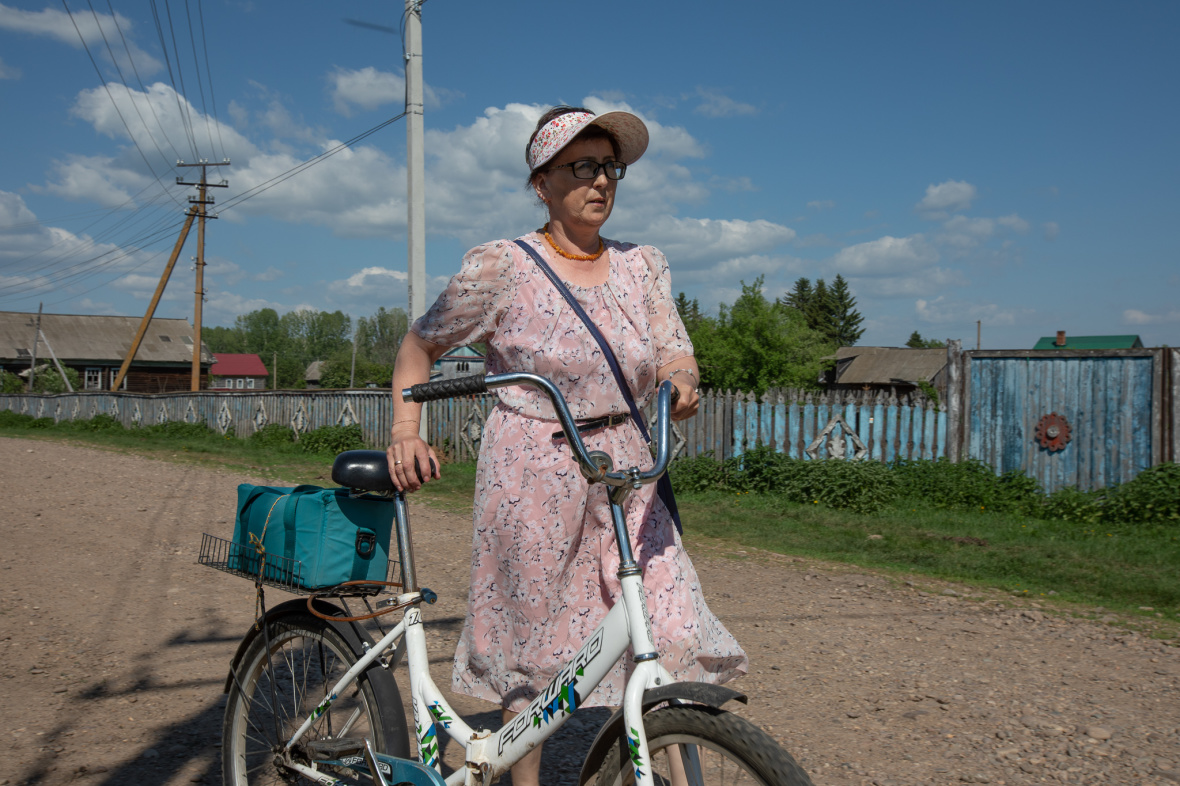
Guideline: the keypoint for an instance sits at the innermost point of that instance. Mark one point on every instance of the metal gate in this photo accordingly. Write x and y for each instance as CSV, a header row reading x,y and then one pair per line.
x,y
1103,415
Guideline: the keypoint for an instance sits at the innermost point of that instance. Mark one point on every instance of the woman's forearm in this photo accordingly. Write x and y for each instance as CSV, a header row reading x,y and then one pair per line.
x,y
412,367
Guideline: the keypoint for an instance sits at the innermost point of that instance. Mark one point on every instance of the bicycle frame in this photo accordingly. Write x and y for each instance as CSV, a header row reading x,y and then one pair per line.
x,y
627,624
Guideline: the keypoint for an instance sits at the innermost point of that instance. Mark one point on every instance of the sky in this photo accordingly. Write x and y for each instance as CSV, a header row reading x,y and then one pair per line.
x,y
1006,167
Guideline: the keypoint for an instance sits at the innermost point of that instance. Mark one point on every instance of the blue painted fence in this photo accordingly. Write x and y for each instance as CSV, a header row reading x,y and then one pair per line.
x,y
1120,405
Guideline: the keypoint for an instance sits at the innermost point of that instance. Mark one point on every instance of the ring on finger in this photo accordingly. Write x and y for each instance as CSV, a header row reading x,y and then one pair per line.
x,y
397,462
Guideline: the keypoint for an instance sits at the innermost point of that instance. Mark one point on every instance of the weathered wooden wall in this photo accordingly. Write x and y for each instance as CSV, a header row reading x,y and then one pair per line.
x,y
1121,406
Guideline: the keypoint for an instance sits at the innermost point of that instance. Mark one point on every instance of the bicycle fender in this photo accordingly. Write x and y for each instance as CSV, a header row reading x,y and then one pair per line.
x,y
714,696
352,633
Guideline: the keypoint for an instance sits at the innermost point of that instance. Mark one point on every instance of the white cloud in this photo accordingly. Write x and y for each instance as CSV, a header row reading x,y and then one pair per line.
x,y
369,88
929,282
695,240
9,72
821,204
965,233
885,256
1050,230
58,25
1015,223
715,103
945,198
270,274
1133,316
733,270
943,311
225,306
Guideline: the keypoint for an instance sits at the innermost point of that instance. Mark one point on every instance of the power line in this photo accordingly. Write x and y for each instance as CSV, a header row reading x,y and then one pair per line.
x,y
146,92
197,65
209,70
107,88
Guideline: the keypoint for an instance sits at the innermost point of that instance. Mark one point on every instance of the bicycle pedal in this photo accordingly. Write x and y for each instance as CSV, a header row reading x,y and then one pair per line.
x,y
335,749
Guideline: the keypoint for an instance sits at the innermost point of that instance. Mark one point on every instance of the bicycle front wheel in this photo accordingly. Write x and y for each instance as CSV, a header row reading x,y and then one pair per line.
x,y
715,746
275,689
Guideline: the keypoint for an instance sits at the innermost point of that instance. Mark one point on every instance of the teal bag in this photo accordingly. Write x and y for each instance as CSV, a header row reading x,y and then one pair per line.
x,y
311,537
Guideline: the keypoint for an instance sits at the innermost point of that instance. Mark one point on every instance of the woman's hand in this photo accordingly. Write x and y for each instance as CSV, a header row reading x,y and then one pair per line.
x,y
406,448
685,406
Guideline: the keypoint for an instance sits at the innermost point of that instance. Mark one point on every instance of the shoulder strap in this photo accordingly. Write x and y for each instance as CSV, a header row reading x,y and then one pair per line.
x,y
607,352
663,485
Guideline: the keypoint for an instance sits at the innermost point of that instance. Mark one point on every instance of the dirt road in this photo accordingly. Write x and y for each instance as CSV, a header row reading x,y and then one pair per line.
x,y
114,646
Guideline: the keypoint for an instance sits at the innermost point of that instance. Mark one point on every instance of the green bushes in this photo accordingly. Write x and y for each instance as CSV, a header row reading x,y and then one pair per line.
x,y
1153,497
330,440
860,486
273,435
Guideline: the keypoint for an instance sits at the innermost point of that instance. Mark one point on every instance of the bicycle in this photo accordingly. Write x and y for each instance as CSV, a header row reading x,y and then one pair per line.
x,y
312,696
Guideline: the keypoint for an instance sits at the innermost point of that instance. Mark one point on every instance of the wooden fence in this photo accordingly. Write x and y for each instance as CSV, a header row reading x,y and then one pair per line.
x,y
801,424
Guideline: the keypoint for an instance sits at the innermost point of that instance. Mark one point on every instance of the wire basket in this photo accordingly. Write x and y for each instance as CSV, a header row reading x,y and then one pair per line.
x,y
273,570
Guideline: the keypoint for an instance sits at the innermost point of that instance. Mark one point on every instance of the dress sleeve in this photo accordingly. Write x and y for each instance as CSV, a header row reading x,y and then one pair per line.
x,y
475,299
668,334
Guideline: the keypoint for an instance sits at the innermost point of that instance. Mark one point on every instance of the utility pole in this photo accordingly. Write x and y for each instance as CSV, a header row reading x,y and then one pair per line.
x,y
415,172
200,201
979,334
274,379
198,210
33,360
352,374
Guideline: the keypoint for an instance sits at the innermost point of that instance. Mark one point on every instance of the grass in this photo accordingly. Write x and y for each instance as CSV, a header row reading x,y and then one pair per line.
x,y
1119,568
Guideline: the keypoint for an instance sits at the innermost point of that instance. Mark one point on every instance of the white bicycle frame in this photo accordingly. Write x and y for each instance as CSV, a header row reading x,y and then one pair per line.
x,y
489,754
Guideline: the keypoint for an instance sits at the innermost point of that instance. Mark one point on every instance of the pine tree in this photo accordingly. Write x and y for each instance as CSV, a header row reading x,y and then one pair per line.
x,y
846,319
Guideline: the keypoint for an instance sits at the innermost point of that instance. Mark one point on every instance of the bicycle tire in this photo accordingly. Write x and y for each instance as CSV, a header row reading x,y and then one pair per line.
x,y
731,750
307,656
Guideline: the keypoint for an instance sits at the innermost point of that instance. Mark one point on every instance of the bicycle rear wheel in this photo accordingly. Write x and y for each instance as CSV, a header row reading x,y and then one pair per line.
x,y
274,690
723,748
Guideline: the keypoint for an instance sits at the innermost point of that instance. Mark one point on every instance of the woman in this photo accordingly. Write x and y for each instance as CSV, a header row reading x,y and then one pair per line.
x,y
544,557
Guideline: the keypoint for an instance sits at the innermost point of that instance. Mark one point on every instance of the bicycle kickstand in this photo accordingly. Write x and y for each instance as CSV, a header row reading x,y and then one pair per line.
x,y
371,762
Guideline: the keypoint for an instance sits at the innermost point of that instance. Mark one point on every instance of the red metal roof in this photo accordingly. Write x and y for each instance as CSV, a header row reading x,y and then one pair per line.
x,y
226,365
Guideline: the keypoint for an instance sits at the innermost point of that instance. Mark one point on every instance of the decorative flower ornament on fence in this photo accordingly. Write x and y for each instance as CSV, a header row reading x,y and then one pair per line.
x,y
162,414
347,416
837,447
136,414
260,417
299,420
77,410
471,432
190,414
225,418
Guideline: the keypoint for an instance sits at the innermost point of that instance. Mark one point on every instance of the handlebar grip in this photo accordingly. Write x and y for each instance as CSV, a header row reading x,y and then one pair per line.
x,y
447,388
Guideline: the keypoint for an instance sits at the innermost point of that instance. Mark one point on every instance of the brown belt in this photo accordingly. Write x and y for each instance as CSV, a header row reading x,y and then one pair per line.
x,y
606,421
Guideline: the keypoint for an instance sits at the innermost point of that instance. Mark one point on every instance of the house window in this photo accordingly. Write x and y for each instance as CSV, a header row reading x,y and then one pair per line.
x,y
93,380
250,383
240,383
23,352
166,338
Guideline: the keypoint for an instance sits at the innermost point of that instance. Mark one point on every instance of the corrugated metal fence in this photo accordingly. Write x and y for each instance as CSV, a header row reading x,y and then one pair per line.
x,y
844,424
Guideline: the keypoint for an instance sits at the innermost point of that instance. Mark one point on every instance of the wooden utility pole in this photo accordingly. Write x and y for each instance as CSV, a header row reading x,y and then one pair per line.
x,y
33,360
151,309
200,201
197,211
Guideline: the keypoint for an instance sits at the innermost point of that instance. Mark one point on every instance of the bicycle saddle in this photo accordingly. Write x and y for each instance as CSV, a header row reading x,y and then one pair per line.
x,y
366,470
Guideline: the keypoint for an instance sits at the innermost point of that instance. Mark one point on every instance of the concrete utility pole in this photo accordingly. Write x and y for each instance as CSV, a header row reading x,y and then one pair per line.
x,y
200,201
415,162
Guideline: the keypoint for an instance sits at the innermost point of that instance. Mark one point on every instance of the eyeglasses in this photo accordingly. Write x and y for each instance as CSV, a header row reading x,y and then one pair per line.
x,y
588,170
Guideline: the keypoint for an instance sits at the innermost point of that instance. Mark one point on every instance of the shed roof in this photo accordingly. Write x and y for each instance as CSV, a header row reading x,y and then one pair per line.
x,y
1091,342
106,339
242,365
888,365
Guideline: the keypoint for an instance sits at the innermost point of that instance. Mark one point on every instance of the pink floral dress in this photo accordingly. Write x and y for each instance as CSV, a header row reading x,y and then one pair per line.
x,y
544,564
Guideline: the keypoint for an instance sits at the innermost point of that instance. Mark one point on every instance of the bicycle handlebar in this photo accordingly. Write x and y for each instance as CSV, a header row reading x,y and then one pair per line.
x,y
596,471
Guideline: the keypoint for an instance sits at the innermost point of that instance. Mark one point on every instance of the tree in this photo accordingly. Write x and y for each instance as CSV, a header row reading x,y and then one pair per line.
x,y
379,336
829,310
846,320
758,344
917,342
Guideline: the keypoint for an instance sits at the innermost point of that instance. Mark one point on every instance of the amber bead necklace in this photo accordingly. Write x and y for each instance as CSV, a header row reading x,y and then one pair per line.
x,y
568,255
